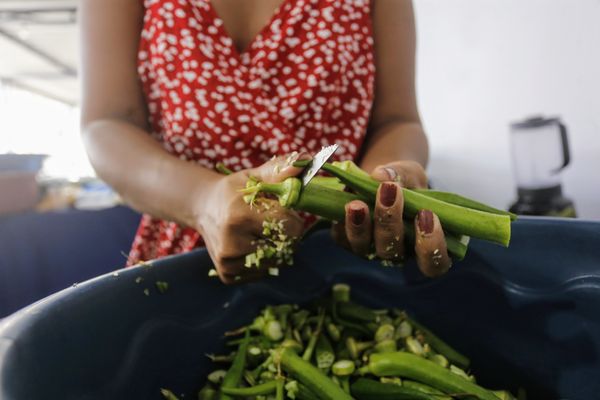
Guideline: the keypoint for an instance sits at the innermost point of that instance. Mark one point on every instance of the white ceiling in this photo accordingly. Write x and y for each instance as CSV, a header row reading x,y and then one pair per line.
x,y
38,47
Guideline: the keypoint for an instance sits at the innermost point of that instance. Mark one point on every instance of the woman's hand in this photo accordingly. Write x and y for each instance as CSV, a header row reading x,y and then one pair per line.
x,y
230,227
386,229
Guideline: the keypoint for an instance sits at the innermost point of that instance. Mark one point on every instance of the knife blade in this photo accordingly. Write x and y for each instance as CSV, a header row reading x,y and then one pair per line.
x,y
317,162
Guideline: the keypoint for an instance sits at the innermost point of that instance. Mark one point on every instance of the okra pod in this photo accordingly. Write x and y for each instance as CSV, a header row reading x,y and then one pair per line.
x,y
425,389
168,395
368,389
471,222
330,204
234,374
410,366
459,200
356,312
440,346
262,389
310,376
324,354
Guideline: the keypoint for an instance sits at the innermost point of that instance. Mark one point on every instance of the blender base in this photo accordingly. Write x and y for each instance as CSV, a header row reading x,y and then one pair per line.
x,y
543,202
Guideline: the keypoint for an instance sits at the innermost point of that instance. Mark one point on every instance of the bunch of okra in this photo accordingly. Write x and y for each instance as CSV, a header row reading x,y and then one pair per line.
x,y
337,349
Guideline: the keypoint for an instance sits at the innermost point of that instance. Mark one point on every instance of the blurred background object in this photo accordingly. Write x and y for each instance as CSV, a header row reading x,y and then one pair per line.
x,y
485,64
540,153
39,110
58,223
38,47
18,182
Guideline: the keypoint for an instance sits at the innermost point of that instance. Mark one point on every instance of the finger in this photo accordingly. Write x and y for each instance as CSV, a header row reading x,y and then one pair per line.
x,y
358,227
236,271
293,223
409,174
279,168
389,228
236,246
338,232
430,245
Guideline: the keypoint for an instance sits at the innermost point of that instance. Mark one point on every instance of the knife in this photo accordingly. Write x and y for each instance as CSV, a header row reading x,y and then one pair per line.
x,y
317,162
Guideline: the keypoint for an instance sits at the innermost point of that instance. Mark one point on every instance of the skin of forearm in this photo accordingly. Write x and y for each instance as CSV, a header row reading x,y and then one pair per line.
x,y
394,142
145,175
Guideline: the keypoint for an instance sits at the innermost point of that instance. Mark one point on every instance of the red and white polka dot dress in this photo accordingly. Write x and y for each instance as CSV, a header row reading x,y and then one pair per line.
x,y
304,82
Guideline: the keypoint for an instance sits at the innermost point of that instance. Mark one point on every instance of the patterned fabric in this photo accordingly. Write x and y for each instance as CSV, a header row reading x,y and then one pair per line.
x,y
305,81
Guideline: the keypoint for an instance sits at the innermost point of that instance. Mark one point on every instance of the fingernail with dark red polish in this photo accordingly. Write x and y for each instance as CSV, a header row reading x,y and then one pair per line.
x,y
387,196
303,155
357,215
425,221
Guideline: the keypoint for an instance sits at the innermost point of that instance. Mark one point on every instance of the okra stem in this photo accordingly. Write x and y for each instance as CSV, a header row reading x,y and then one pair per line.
x,y
307,355
220,167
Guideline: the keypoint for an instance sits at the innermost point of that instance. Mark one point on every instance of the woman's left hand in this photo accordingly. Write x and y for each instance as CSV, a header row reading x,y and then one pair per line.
x,y
386,229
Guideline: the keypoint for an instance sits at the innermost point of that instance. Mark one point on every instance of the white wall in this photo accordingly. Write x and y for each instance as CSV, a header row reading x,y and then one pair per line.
x,y
485,63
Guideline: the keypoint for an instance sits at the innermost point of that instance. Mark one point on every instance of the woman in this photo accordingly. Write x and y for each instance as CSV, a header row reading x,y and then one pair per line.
x,y
171,87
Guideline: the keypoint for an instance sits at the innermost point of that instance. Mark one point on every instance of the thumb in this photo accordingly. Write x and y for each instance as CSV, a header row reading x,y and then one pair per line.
x,y
279,168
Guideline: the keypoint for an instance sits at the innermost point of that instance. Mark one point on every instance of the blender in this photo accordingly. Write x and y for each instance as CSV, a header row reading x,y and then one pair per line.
x,y
540,152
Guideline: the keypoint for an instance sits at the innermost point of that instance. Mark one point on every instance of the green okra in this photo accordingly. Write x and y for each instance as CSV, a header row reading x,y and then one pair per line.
x,y
341,292
324,353
504,395
385,346
208,393
347,324
440,346
459,200
342,369
333,331
310,347
168,395
471,222
406,365
330,204
355,348
368,389
234,375
279,388
310,376
305,393
425,389
262,389
220,167
356,312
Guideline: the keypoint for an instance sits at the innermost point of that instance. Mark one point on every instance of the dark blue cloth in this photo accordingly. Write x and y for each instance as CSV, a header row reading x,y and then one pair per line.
x,y
41,253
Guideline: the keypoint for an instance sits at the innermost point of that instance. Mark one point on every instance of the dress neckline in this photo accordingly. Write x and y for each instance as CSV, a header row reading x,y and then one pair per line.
x,y
249,47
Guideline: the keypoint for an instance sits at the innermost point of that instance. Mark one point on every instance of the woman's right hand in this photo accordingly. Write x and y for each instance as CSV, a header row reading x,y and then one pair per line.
x,y
230,227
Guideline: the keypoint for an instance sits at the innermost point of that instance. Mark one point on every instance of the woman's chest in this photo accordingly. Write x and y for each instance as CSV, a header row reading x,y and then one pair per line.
x,y
244,19
307,74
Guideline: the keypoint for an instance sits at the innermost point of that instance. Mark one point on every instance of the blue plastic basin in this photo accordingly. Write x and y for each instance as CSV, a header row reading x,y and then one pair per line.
x,y
527,316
